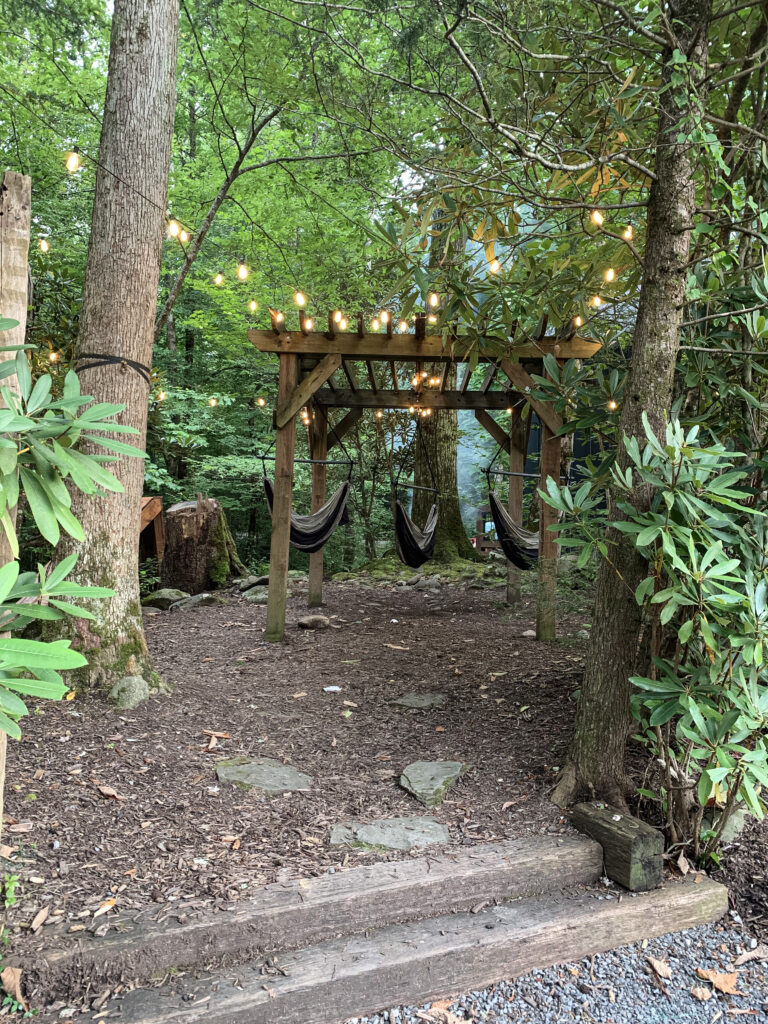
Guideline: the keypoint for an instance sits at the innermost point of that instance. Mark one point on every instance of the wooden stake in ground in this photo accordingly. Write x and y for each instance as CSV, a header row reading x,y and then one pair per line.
x,y
15,204
117,320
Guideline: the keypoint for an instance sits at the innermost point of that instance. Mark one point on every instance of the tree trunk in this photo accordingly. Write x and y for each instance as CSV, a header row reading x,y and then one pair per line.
x,y
200,552
15,203
441,439
119,303
596,765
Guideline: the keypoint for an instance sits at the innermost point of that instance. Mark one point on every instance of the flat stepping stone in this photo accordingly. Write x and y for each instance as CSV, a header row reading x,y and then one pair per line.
x,y
314,622
257,595
390,833
429,781
420,701
164,598
263,773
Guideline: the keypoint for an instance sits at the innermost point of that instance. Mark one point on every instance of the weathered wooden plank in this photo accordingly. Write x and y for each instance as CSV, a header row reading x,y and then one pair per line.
x,y
410,346
287,916
350,374
498,433
633,851
523,381
150,508
364,398
288,406
418,963
285,447
491,372
466,379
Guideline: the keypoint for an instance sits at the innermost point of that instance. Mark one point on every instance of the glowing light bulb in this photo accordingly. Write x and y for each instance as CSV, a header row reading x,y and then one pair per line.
x,y
416,381
261,402
628,233
403,326
424,373
596,301
279,318
337,316
44,244
429,412
174,228
384,316
183,235
509,410
610,274
494,266
53,357
431,319
379,414
613,405
300,299
73,160
212,402
343,324
161,397
412,408
578,321
308,324
253,305
375,323
242,270
219,278
597,218
434,300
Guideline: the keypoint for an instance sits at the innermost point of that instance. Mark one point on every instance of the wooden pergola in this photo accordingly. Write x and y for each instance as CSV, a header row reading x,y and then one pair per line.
x,y
323,369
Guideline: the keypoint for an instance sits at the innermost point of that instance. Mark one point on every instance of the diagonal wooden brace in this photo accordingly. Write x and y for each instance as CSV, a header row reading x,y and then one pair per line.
x,y
306,388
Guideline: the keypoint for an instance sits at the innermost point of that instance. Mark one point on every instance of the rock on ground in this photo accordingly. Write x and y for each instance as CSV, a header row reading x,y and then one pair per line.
x,y
164,598
197,601
429,781
257,595
129,692
314,622
252,581
420,701
390,833
263,773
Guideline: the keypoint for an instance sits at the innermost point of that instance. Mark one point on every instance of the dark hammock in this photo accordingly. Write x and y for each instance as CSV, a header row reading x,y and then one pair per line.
x,y
310,533
520,546
414,546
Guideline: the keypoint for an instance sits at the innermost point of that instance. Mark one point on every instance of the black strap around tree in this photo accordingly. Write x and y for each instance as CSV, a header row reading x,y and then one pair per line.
x,y
99,359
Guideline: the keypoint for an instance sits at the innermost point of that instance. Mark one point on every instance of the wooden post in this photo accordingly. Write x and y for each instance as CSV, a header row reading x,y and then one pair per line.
x,y
319,449
546,599
515,497
15,203
285,447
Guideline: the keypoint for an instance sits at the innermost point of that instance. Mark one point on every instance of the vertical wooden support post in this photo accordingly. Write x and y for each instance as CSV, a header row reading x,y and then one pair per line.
x,y
546,600
515,498
285,447
319,449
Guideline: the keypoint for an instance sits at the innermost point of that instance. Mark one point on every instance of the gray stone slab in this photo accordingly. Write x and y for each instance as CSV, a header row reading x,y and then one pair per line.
x,y
390,833
429,781
420,701
257,595
164,598
263,773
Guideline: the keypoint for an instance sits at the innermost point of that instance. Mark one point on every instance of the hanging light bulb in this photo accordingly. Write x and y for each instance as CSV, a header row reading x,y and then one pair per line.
x,y
403,326
494,266
509,410
253,305
431,319
161,397
53,357
412,408
73,160
628,233
429,412
434,300
337,316
279,318
416,381
183,235
308,324
174,228
261,402
578,321
44,244
300,299
242,270
379,414
597,218
596,301
343,324
375,323
613,405
424,373
219,278
610,274
384,316
213,402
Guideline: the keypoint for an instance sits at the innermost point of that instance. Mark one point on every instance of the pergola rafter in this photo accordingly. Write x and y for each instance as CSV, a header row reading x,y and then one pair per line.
x,y
309,361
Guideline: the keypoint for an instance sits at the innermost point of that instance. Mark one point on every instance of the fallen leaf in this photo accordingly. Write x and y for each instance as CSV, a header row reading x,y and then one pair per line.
x,y
20,826
131,872
212,742
6,851
702,994
722,982
11,979
660,967
105,906
350,704
218,735
227,839
683,865
39,919
38,774
109,793
397,647
758,953
439,728
70,696
296,696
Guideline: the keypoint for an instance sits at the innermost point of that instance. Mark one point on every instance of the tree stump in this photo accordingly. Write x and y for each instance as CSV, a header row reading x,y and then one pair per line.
x,y
200,553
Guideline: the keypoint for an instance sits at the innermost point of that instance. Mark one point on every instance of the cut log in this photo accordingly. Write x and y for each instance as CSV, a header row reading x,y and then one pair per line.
x,y
200,553
632,850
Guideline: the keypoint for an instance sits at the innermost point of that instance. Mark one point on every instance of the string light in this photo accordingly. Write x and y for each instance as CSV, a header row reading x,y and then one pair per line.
x,y
597,218
424,373
161,397
412,408
375,323
183,235
253,305
596,301
431,319
300,299
628,233
343,324
610,274
578,321
53,357
494,266
384,316
242,270
379,414
509,410
279,318
213,402
429,412
261,402
219,278
308,324
434,300
44,244
337,316
73,160
613,405
416,381
174,228
403,326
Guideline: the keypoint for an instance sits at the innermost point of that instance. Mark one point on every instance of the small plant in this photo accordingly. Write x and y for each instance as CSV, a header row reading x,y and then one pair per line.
x,y
149,576
10,884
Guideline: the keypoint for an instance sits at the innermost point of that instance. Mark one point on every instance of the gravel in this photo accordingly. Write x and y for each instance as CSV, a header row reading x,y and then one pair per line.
x,y
619,987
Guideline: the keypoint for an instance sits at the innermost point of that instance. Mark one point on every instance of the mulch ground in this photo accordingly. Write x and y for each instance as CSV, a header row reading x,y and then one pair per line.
x,y
112,811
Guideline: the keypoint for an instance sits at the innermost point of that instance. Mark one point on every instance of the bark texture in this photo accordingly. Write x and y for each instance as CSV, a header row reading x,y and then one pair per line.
x,y
441,439
119,303
596,766
15,207
200,552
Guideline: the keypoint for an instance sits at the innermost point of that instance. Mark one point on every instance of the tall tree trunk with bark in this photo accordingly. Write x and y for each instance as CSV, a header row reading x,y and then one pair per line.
x,y
117,320
596,764
441,440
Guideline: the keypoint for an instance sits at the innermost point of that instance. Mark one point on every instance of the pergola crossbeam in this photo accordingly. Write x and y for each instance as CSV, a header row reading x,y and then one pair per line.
x,y
431,399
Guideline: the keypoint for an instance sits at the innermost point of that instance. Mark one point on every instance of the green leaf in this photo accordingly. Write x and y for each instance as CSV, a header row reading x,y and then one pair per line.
x,y
11,704
23,375
7,725
9,573
16,652
50,690
40,507
60,572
